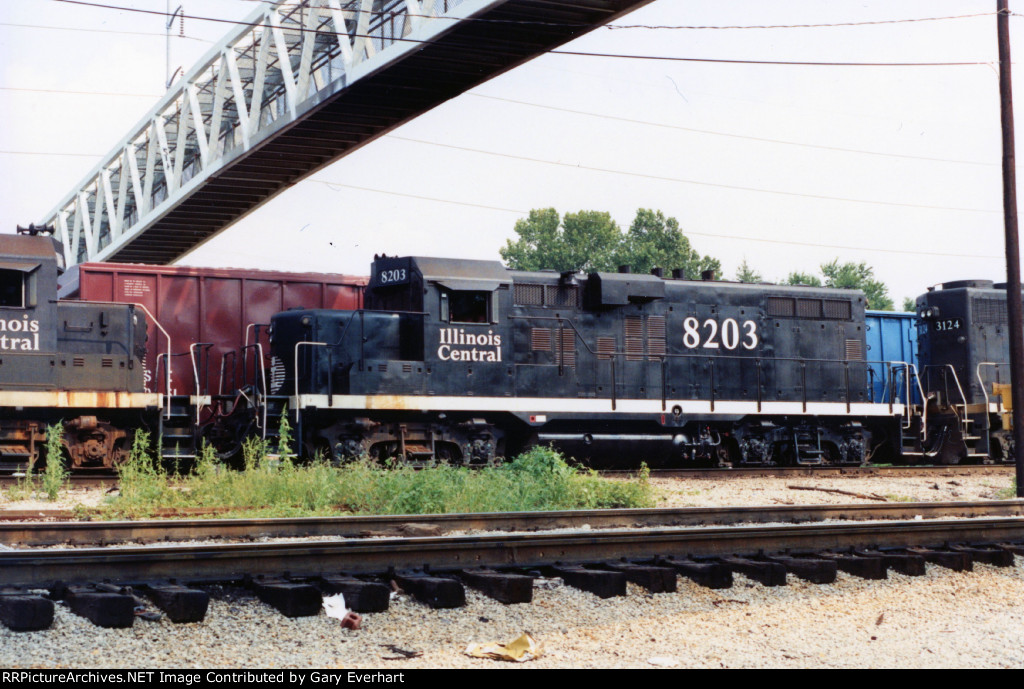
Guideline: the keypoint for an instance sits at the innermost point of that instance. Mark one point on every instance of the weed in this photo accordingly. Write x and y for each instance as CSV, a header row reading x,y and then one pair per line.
x,y
56,474
538,480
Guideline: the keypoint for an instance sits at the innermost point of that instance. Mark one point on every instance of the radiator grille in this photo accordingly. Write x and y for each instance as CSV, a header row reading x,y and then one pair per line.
x,y
781,307
808,308
989,311
555,295
528,294
838,309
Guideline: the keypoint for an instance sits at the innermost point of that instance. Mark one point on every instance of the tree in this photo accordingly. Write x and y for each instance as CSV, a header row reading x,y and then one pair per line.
x,y
796,278
586,240
591,241
654,241
858,276
909,304
747,274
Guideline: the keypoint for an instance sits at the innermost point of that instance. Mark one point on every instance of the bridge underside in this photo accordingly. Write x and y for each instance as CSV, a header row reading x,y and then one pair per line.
x,y
336,119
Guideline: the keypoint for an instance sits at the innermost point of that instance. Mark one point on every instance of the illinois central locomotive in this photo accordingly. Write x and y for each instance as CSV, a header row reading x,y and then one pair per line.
x,y
467,361
77,364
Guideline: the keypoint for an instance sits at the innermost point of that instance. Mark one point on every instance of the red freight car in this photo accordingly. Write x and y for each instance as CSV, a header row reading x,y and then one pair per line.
x,y
206,305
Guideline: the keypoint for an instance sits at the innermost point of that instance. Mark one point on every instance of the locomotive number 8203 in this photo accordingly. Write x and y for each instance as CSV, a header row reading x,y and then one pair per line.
x,y
728,335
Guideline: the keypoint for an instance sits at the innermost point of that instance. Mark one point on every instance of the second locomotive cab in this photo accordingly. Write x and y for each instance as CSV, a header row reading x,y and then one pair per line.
x,y
467,361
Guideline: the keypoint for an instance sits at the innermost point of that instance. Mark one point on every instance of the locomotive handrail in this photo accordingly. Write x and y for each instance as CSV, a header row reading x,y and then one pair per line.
x,y
195,371
981,382
296,369
956,378
908,368
161,329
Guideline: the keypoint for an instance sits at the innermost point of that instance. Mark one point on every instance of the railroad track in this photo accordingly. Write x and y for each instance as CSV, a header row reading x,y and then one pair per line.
x,y
111,480
79,533
293,575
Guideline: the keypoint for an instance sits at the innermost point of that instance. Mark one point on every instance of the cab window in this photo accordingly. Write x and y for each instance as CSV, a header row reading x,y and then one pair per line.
x,y
465,306
12,288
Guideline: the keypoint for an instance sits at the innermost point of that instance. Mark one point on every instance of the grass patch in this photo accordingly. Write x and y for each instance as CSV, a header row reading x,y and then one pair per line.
x,y
1008,493
540,479
893,497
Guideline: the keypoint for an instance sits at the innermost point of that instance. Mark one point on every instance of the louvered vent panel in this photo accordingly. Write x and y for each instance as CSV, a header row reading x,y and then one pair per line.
x,y
605,347
989,311
656,336
528,295
406,368
781,307
277,375
540,339
854,350
107,363
78,361
808,308
567,347
634,327
837,309
382,368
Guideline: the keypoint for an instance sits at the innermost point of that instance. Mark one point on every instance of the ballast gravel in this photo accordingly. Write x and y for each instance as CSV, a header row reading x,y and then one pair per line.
x,y
942,619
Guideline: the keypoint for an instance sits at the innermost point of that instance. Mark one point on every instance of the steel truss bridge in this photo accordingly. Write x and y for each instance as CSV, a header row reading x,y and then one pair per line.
x,y
297,85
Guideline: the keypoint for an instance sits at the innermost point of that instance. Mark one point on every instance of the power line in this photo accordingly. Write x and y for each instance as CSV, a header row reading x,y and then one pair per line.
x,y
92,30
844,247
81,93
399,39
680,180
726,134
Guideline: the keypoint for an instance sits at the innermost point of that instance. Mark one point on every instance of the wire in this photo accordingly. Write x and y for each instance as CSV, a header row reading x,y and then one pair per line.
x,y
399,39
732,136
82,93
915,251
691,181
91,30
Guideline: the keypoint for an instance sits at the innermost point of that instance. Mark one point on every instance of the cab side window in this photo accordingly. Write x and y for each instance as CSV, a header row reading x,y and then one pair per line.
x,y
12,288
465,306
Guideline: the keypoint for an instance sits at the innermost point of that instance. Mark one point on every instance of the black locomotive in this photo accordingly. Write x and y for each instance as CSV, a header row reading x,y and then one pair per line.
x,y
75,363
467,361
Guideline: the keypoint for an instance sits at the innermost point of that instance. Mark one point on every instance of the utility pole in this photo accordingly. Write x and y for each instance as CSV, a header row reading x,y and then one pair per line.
x,y
1013,295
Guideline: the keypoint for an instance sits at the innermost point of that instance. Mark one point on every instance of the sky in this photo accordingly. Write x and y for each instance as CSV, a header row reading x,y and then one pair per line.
x,y
783,166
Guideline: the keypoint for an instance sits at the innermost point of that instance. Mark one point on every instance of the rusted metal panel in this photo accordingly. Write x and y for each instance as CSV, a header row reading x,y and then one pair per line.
x,y
207,305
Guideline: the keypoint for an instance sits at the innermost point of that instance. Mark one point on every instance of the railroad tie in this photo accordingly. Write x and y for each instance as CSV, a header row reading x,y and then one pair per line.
x,y
437,592
502,587
24,612
601,583
712,575
1015,548
903,562
813,569
654,578
104,608
360,596
767,573
987,554
950,559
863,566
180,603
291,599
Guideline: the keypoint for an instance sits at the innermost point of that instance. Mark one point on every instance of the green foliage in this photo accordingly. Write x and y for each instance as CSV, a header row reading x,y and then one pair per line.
x,y
858,276
592,241
56,474
537,480
284,435
909,304
796,278
747,274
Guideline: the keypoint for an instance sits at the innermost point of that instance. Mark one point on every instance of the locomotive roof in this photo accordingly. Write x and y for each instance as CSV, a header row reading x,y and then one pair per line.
x,y
22,252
